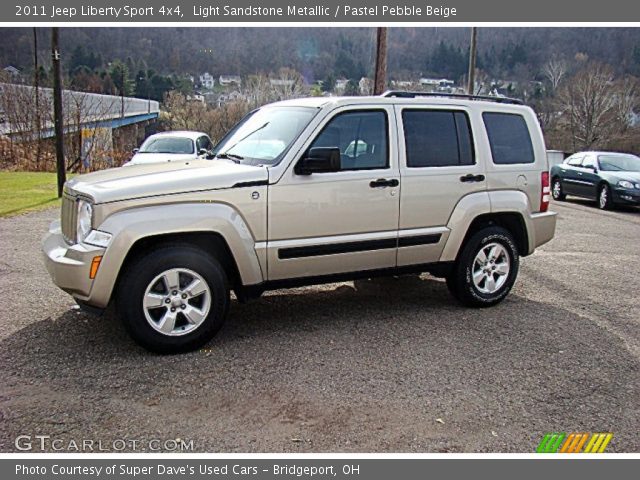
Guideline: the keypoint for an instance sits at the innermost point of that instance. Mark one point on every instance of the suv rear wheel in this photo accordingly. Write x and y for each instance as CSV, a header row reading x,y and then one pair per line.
x,y
173,299
486,268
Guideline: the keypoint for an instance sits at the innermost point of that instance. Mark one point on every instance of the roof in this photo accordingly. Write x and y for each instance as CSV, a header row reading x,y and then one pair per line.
x,y
180,133
321,102
601,152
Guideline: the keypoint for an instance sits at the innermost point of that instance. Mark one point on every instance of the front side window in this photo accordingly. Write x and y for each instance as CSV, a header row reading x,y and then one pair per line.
x,y
361,137
509,138
170,145
437,138
264,136
589,162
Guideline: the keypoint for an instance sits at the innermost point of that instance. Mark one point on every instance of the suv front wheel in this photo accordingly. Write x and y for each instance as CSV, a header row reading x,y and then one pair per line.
x,y
173,299
486,268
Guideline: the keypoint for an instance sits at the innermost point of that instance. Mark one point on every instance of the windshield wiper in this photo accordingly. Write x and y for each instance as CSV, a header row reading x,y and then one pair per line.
x,y
229,156
240,141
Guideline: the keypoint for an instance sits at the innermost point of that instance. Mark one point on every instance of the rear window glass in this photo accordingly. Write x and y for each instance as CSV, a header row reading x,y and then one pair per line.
x,y
509,138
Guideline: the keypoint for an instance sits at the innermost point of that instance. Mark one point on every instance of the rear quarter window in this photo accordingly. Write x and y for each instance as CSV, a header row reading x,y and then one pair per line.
x,y
509,138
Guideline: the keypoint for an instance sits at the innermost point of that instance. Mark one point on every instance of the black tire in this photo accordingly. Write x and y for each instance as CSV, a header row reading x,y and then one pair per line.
x,y
557,193
460,280
143,270
604,197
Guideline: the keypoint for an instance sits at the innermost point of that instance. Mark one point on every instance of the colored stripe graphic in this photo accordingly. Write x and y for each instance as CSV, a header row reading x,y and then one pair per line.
x,y
581,443
550,443
573,442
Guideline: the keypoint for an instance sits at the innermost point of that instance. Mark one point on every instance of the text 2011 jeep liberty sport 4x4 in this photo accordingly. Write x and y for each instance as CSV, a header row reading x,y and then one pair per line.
x,y
309,191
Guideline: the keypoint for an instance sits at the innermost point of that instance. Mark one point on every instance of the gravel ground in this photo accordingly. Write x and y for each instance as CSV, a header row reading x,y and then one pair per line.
x,y
386,366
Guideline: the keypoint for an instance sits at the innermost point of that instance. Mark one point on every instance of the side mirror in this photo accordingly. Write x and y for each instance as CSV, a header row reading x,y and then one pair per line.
x,y
203,151
135,150
319,160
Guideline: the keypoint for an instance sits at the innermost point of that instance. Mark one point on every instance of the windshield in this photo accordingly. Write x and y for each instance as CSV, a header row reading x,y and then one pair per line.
x,y
624,163
178,145
265,134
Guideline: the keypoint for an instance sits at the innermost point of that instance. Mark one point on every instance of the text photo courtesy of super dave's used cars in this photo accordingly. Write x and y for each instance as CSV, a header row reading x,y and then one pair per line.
x,y
276,259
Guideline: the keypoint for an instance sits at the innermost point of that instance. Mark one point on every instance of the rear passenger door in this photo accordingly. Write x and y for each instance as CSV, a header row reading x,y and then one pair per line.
x,y
569,175
438,167
588,178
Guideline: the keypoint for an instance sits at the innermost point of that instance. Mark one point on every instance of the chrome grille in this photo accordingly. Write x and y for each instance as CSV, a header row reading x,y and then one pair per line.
x,y
68,218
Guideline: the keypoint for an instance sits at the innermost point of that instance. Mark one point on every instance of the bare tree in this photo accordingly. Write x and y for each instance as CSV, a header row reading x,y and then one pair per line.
x,y
591,105
288,83
555,70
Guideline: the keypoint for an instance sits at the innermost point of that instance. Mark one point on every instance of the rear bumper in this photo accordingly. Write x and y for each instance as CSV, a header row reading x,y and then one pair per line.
x,y
69,265
543,228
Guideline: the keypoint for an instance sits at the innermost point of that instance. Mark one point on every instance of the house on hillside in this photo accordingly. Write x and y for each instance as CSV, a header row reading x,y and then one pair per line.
x,y
365,85
207,81
226,80
11,71
438,84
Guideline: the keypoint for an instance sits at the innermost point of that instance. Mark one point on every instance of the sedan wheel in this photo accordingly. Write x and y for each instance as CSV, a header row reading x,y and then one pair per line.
x,y
556,190
604,198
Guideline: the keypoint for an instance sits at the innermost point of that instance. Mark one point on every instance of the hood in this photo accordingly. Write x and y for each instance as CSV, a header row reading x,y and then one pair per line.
x,y
158,158
145,180
618,175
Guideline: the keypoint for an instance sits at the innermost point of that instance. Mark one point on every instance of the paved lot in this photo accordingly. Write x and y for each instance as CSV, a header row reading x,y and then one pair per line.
x,y
392,365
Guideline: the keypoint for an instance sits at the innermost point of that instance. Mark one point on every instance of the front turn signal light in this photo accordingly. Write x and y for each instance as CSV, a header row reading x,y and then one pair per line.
x,y
95,264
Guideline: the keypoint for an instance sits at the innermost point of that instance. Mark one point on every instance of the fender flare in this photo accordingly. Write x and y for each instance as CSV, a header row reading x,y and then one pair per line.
x,y
481,203
132,225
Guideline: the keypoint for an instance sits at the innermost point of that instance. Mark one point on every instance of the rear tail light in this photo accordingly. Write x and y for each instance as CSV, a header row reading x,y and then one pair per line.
x,y
545,192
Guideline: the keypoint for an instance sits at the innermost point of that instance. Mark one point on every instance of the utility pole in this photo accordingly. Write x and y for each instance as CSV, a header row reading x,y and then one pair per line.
x,y
472,62
57,110
36,85
381,62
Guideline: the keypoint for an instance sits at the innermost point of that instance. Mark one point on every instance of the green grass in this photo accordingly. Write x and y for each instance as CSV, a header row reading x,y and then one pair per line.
x,y
26,191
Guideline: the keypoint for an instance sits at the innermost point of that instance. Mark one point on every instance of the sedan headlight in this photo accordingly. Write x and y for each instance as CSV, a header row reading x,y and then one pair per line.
x,y
626,184
85,214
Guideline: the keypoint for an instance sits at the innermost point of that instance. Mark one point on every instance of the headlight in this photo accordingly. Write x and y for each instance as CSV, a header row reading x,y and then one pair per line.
x,y
85,214
625,184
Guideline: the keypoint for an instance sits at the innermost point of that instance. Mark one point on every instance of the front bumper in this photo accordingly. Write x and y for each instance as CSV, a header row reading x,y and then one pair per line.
x,y
626,196
69,265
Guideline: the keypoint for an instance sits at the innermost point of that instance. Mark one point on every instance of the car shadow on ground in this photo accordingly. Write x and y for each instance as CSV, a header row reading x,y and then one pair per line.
x,y
594,204
398,349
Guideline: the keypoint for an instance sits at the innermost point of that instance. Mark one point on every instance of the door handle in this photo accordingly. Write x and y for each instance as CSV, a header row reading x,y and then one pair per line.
x,y
383,182
472,178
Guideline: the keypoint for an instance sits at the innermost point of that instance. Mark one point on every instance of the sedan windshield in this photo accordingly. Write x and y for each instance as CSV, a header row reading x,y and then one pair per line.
x,y
176,145
265,134
623,163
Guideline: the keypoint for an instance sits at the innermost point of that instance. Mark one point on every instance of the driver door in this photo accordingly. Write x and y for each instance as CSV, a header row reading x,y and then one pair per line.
x,y
344,221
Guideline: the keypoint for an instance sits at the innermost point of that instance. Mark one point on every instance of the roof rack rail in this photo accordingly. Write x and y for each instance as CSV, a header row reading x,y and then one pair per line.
x,y
462,96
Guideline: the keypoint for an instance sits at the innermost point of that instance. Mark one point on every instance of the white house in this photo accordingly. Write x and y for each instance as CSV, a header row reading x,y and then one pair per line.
x,y
365,85
11,70
207,81
438,84
226,80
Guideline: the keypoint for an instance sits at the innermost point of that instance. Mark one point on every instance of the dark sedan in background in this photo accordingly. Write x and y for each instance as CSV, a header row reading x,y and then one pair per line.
x,y
607,177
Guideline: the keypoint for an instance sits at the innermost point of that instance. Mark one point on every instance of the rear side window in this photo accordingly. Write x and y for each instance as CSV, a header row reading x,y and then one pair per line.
x,y
509,138
574,161
437,138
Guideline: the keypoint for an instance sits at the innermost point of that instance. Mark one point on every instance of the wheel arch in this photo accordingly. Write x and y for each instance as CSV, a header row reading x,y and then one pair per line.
x,y
213,227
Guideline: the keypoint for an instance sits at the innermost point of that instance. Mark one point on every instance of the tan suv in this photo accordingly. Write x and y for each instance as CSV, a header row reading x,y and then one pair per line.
x,y
309,191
